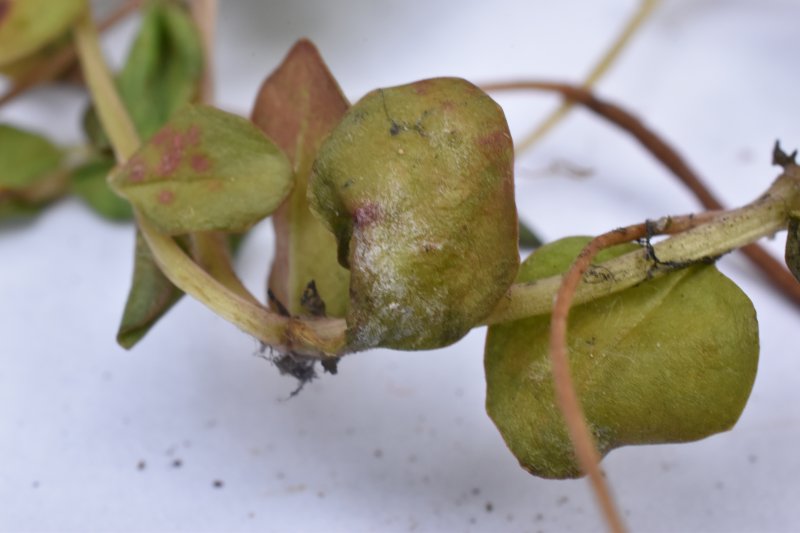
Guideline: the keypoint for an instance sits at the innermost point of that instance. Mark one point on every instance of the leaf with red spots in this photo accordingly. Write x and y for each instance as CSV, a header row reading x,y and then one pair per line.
x,y
26,26
205,170
298,105
32,172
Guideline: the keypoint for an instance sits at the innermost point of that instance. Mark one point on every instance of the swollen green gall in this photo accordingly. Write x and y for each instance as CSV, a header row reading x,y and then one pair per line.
x,y
670,360
416,183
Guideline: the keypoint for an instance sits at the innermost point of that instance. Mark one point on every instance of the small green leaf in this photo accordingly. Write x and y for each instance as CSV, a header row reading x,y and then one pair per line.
x,y
670,360
28,25
164,67
162,72
793,247
89,182
206,170
25,158
527,238
298,106
31,171
151,295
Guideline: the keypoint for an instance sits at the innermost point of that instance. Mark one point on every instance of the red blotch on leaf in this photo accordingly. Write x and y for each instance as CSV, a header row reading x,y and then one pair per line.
x,y
165,196
200,163
164,136
170,160
367,214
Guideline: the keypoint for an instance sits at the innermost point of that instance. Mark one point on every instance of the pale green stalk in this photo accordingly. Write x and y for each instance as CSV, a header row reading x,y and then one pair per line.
x,y
729,231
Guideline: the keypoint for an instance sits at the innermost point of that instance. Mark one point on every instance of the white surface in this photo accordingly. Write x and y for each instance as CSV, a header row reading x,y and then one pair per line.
x,y
397,441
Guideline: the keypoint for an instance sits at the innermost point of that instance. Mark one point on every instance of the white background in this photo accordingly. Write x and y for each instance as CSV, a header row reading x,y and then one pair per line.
x,y
397,441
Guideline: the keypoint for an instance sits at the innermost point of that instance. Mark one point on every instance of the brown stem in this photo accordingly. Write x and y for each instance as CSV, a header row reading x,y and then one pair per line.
x,y
566,396
64,59
780,278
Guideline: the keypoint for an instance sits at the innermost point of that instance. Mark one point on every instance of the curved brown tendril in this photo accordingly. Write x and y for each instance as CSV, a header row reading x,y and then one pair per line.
x,y
780,278
566,397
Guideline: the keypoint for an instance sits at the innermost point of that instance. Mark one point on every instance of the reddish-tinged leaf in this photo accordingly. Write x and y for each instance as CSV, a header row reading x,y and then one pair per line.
x,y
298,106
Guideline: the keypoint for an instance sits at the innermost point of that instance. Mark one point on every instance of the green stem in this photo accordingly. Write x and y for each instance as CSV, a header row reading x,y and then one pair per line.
x,y
184,273
728,231
210,249
110,108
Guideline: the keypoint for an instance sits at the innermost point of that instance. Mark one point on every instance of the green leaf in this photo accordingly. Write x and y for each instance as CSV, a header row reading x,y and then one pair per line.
x,y
150,296
31,171
28,25
25,158
162,72
206,170
298,106
527,238
89,182
670,360
793,247
164,68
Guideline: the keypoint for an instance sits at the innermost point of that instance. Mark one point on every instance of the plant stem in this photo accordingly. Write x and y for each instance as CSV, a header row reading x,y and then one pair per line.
x,y
728,231
110,108
185,274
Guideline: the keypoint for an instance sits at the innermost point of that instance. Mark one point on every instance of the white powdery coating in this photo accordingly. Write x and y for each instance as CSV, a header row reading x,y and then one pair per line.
x,y
378,253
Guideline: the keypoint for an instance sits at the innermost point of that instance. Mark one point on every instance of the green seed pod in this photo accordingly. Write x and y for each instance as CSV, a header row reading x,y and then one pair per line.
x,y
416,183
